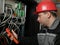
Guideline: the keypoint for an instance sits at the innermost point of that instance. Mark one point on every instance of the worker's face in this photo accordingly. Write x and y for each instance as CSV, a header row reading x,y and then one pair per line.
x,y
43,18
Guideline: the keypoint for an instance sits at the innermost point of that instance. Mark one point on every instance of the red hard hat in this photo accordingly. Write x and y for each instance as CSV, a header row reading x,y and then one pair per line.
x,y
46,6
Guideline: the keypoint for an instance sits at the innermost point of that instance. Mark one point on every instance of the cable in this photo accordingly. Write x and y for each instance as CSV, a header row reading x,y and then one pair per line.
x,y
7,18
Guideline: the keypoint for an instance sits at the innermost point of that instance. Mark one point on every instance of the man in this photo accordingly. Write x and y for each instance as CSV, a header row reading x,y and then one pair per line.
x,y
50,35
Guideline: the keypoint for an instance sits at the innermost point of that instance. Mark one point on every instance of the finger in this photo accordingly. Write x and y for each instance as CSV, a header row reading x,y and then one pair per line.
x,y
11,38
15,34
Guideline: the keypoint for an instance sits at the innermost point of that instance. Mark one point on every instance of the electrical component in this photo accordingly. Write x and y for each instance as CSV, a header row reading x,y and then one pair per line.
x,y
13,20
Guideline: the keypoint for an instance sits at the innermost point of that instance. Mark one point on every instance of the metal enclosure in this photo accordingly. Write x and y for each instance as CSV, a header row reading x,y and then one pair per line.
x,y
2,6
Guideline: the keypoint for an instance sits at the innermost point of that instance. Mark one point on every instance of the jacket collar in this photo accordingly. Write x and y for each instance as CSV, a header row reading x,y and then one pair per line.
x,y
55,24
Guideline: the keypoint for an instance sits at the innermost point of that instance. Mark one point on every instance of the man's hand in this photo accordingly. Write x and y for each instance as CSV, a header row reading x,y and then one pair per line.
x,y
12,35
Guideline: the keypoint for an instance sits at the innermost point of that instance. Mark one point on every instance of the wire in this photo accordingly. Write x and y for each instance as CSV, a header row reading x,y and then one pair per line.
x,y
11,24
7,18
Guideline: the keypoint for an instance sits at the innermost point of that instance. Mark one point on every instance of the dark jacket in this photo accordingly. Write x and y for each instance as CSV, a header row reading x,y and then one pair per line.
x,y
50,36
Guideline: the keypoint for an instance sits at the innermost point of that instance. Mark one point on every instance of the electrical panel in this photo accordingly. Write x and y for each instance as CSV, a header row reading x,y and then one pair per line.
x,y
13,18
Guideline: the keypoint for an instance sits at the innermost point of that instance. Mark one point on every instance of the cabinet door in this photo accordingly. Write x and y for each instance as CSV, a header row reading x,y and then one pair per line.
x,y
1,6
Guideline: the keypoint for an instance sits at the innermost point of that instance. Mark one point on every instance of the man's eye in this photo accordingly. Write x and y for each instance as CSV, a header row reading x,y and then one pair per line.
x,y
39,16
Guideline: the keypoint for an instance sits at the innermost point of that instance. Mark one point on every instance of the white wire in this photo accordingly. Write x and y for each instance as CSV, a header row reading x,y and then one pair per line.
x,y
7,19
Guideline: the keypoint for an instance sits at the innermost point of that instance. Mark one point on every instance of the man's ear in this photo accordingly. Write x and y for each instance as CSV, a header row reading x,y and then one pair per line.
x,y
48,14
